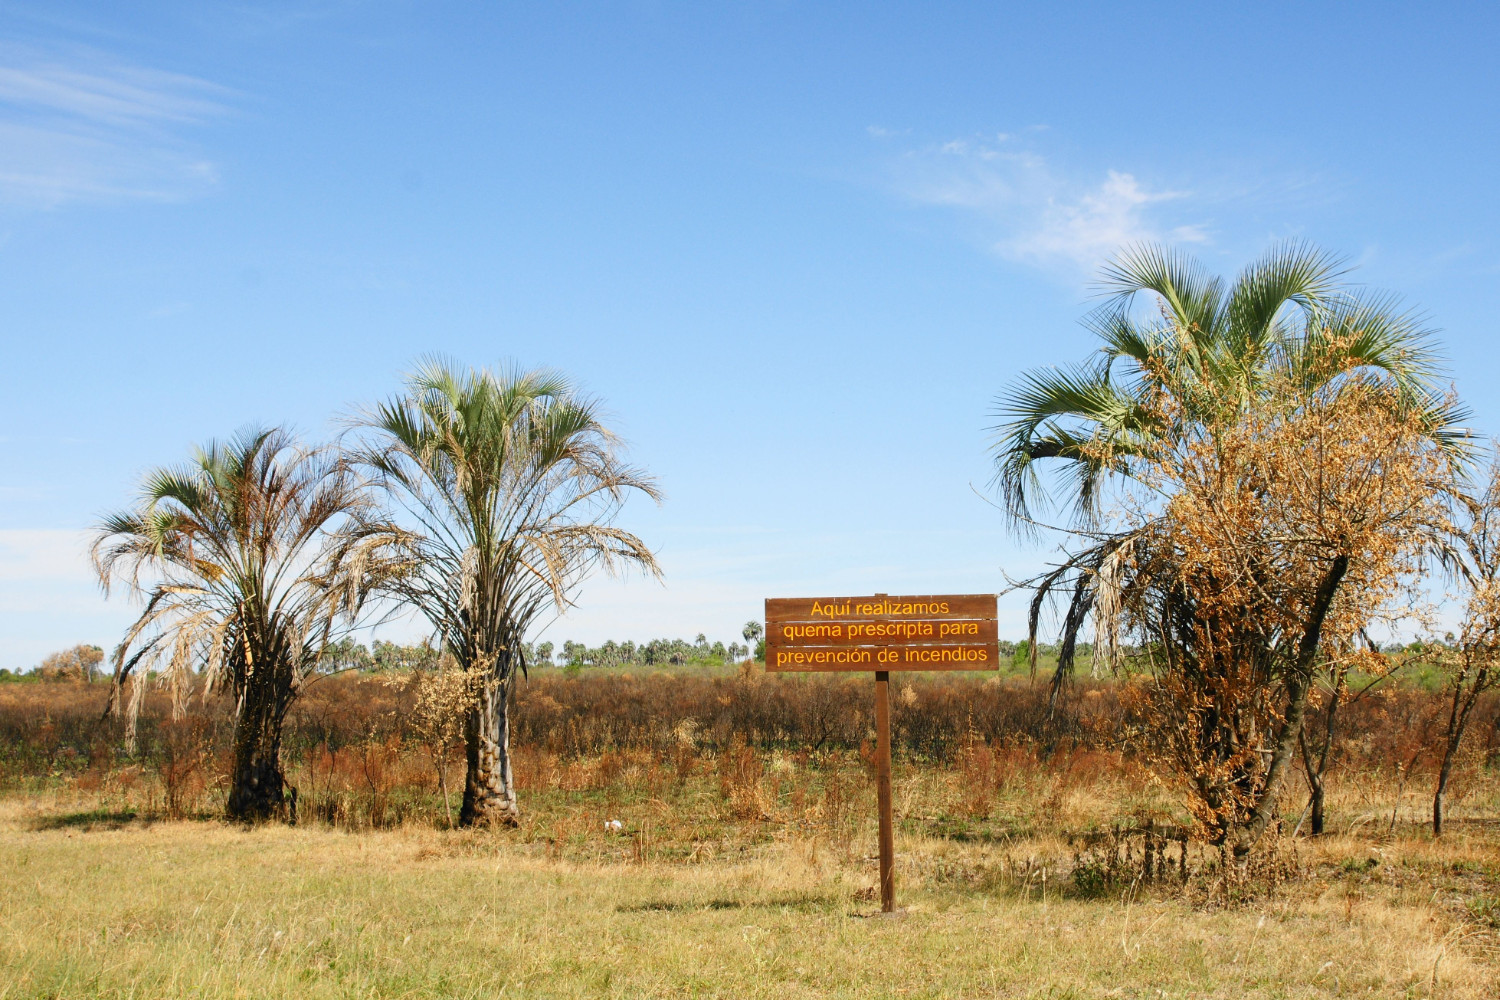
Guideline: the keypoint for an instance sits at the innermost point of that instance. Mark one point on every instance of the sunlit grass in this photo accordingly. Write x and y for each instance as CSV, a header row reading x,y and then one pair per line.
x,y
107,904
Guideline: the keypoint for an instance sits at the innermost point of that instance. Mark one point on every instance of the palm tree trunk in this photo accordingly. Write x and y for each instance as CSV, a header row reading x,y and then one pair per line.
x,y
257,785
489,790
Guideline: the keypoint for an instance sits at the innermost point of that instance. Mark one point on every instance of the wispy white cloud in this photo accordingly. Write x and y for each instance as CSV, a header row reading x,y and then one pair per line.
x,y
84,127
1029,212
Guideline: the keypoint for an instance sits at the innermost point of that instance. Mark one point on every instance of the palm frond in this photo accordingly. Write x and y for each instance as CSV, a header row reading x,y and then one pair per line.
x,y
1057,413
1193,298
1293,273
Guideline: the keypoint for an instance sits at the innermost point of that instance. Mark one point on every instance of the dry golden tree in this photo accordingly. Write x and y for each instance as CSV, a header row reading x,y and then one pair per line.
x,y
1255,556
81,663
252,559
507,484
1251,469
1471,554
442,698
1070,435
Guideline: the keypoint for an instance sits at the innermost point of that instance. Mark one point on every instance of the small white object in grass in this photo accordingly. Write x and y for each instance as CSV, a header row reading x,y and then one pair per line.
x,y
613,826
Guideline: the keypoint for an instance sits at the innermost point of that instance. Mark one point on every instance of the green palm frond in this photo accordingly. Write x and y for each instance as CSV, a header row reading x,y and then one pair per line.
x,y
1371,332
1447,418
1059,413
1287,319
1294,273
1193,298
1123,337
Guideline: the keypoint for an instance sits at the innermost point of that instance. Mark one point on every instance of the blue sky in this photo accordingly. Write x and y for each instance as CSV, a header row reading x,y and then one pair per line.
x,y
797,249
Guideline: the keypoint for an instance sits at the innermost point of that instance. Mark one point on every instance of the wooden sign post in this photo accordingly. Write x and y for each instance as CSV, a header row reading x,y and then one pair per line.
x,y
881,634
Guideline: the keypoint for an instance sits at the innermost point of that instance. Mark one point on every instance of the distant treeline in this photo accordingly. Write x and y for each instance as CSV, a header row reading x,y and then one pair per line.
x,y
85,663
381,656
626,653
82,663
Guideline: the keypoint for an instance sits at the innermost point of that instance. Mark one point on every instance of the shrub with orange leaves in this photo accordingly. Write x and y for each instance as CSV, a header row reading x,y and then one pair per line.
x,y
1260,545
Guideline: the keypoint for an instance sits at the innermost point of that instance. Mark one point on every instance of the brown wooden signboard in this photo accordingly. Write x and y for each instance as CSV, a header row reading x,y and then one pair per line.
x,y
881,633
924,632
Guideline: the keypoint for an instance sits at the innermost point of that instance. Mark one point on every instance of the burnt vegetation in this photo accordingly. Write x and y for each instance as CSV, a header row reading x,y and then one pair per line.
x,y
362,751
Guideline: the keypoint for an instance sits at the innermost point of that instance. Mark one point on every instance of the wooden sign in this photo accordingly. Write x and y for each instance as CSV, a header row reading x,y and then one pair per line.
x,y
881,633
927,632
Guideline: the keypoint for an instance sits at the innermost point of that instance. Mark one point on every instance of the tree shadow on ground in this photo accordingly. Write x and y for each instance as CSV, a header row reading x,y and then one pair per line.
x,y
786,902
92,819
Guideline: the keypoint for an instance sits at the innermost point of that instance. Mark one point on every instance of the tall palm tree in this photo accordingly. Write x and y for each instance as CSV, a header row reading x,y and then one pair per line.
x,y
510,483
252,559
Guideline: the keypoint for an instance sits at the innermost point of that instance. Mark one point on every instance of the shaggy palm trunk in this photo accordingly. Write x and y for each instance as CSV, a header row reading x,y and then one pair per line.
x,y
489,790
257,785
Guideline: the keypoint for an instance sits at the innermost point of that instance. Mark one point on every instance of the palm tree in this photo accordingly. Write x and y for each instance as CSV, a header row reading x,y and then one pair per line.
x,y
753,631
1214,350
253,560
510,483
1286,336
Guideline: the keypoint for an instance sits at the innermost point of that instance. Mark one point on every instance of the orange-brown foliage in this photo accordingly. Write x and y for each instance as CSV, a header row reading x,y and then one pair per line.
x,y
357,758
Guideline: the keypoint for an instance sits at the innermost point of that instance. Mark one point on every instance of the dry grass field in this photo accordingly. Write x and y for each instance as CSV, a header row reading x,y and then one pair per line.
x,y
126,908
745,864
